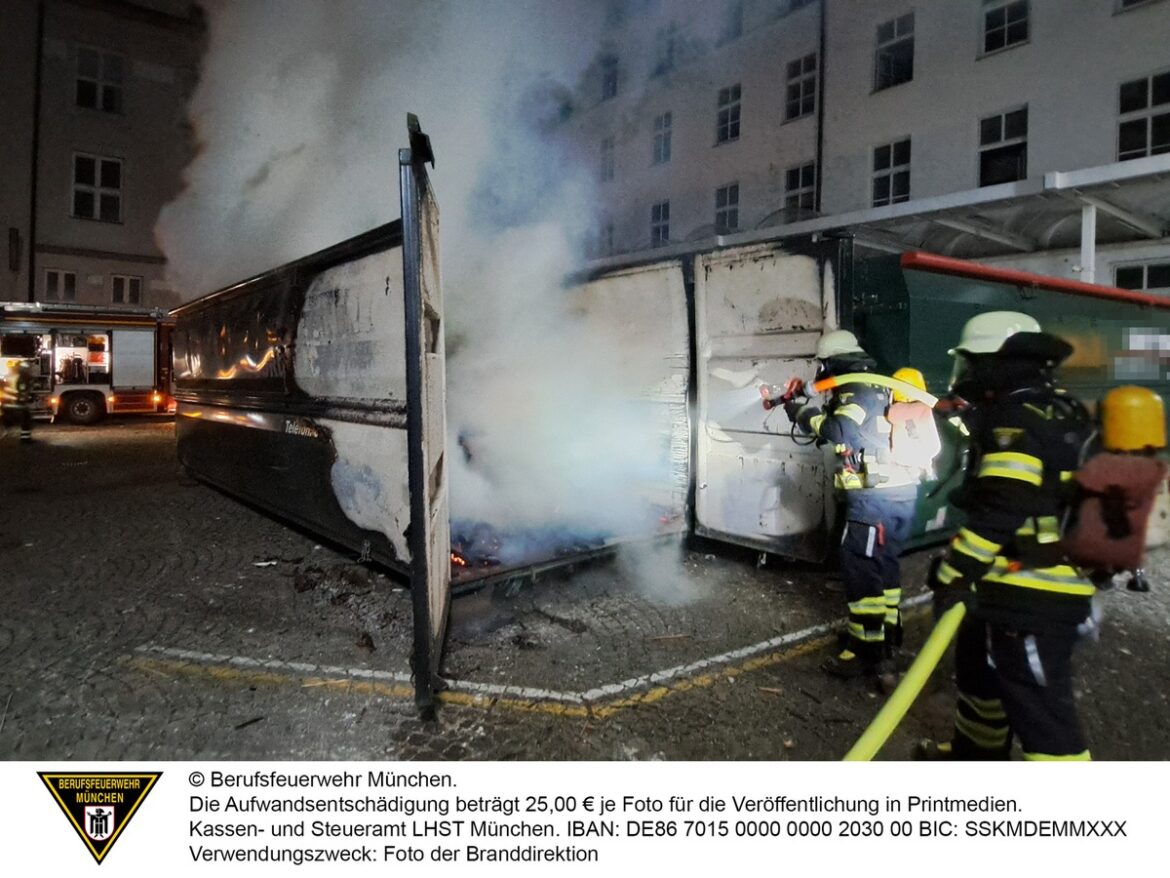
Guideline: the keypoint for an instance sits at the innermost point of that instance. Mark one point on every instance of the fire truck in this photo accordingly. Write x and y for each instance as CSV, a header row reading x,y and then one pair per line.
x,y
89,361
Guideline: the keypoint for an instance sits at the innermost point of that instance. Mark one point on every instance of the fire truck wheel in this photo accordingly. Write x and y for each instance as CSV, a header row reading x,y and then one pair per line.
x,y
84,408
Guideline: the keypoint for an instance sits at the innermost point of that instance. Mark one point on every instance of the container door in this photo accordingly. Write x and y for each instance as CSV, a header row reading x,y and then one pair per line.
x,y
132,358
759,313
430,527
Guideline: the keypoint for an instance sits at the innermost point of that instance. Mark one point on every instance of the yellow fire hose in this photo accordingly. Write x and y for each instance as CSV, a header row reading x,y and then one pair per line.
x,y
874,738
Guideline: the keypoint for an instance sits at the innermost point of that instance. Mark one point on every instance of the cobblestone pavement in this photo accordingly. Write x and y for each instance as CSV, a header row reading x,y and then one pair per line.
x,y
147,618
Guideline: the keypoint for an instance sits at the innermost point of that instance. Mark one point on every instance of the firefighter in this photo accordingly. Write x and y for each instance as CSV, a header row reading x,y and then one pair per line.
x,y
1013,656
879,500
18,398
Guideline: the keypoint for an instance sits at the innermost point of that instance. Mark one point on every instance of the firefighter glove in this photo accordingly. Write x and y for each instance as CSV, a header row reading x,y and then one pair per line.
x,y
946,595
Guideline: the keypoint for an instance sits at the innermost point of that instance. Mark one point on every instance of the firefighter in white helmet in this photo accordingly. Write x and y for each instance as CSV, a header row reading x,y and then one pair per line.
x,y
1013,657
879,501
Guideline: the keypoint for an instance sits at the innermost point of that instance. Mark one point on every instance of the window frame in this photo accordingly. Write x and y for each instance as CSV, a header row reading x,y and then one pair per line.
x,y
891,172
729,209
1003,143
102,83
1146,114
729,114
991,6
128,281
794,198
660,223
607,169
97,189
884,46
802,79
663,129
59,296
1144,268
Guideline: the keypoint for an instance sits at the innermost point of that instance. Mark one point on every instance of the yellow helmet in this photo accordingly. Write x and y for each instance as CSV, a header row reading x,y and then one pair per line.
x,y
911,376
1132,419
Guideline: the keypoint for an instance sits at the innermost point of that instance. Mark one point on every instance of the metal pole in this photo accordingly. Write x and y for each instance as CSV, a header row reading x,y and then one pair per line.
x,y
1089,243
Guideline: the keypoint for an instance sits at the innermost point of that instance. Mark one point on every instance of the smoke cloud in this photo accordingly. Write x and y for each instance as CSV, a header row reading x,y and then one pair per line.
x,y
300,110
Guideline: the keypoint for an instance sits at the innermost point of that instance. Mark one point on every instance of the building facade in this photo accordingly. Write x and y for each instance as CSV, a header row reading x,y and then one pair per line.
x,y
99,138
958,126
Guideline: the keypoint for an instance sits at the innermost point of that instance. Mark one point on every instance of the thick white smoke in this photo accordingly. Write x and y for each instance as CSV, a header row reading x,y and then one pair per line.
x,y
300,110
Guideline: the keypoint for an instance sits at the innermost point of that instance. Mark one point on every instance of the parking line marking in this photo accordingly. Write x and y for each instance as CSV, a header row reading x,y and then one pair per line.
x,y
600,702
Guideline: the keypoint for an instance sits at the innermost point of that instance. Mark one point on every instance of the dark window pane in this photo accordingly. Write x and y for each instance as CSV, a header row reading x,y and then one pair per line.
x,y
87,92
808,175
1158,276
993,41
117,292
1134,95
792,179
1131,139
735,92
83,203
794,92
902,152
1160,89
793,69
110,208
808,104
135,290
720,198
1130,277
905,24
1017,32
885,32
990,130
881,190
52,278
995,18
1003,165
112,175
111,99
1160,133
1015,124
70,286
901,187
84,169
881,158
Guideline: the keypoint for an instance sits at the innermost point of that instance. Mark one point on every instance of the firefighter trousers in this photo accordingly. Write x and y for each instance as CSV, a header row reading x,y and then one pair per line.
x,y
877,524
1015,682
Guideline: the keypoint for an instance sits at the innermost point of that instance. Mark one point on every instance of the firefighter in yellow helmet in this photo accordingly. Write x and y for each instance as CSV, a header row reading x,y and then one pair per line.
x,y
879,501
16,398
1026,601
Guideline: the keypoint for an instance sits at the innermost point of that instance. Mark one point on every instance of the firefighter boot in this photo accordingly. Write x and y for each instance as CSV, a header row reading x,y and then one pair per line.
x,y
849,665
930,750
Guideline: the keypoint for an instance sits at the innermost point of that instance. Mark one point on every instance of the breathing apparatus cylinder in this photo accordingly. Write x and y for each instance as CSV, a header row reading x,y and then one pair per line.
x,y
1133,419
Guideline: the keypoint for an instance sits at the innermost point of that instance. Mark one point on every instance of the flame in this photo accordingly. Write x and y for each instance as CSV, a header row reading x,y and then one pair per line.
x,y
458,560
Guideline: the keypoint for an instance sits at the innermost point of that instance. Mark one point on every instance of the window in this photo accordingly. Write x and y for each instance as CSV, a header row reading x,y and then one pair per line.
x,y
667,43
733,21
800,185
727,124
660,224
609,77
99,80
662,139
605,239
97,188
1144,128
894,59
801,97
891,173
1123,5
1152,276
126,290
607,164
60,286
1003,147
1004,24
727,208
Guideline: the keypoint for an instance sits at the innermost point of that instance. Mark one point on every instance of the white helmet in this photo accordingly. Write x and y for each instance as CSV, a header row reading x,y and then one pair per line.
x,y
837,342
986,333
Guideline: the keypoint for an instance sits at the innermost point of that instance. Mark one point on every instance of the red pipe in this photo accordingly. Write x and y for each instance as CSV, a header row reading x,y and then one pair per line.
x,y
963,268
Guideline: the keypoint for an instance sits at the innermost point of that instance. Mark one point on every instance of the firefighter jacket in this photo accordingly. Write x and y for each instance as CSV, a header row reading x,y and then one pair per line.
x,y
16,388
854,423
1026,447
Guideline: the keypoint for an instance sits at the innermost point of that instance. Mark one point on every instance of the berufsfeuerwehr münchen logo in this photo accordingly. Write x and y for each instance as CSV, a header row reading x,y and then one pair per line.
x,y
99,805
